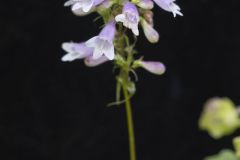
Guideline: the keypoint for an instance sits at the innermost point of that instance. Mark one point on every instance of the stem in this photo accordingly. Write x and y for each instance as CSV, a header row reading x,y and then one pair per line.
x,y
132,147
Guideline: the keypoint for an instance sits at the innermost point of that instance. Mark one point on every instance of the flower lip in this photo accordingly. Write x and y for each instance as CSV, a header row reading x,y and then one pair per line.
x,y
75,51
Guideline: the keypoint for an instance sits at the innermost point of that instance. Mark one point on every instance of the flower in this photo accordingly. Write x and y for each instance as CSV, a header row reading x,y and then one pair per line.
x,y
145,4
150,33
103,43
151,66
219,117
129,17
81,51
170,6
85,5
75,51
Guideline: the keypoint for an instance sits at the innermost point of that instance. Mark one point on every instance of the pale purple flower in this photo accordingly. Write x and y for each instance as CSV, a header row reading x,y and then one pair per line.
x,y
81,51
170,6
151,66
129,17
103,43
146,4
76,51
150,33
85,5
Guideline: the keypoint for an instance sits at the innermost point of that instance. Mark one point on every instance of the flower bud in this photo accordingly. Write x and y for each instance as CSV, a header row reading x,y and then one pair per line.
x,y
150,33
145,4
151,66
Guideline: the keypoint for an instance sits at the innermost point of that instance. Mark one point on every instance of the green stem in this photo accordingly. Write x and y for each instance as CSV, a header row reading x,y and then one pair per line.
x,y
132,147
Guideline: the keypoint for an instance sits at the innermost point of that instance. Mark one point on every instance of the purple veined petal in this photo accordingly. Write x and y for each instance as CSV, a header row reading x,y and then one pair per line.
x,y
129,17
146,4
170,6
153,67
150,33
91,62
75,51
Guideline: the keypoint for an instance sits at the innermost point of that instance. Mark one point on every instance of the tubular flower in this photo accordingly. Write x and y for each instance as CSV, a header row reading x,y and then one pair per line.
x,y
170,6
129,17
81,51
84,5
103,43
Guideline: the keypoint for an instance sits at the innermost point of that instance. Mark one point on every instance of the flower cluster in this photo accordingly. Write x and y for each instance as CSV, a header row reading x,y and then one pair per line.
x,y
112,42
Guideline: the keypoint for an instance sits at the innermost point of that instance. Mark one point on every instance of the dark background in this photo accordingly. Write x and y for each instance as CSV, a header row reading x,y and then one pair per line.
x,y
55,110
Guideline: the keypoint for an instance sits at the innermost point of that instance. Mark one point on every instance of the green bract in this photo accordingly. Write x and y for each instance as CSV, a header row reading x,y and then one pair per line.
x,y
219,117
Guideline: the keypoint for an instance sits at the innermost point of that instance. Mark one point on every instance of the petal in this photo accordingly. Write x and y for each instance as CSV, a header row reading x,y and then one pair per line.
x,y
80,12
69,3
91,62
76,51
67,46
70,57
120,18
76,6
110,52
97,53
108,32
135,30
91,42
88,7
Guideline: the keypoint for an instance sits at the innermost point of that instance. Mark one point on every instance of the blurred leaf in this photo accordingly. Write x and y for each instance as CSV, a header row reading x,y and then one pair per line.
x,y
219,117
223,155
236,144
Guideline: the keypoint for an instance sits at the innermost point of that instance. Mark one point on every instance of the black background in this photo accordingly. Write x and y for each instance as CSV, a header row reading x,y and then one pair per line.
x,y
55,110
